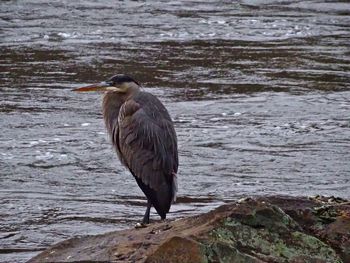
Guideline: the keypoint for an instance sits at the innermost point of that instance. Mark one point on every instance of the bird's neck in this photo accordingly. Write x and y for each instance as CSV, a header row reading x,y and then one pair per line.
x,y
112,101
111,105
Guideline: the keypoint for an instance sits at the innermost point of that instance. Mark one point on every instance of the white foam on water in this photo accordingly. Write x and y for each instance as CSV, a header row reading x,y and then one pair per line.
x,y
45,156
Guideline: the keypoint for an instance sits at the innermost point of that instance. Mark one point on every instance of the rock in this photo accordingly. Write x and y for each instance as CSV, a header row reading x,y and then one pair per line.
x,y
266,229
178,250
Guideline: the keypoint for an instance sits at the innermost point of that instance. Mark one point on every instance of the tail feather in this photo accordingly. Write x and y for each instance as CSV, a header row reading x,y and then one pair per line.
x,y
160,199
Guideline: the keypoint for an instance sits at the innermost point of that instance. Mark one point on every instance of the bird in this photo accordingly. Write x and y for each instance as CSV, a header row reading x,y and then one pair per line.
x,y
144,138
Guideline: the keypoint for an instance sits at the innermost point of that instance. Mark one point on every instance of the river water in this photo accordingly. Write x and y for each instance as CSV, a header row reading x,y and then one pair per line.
x,y
259,92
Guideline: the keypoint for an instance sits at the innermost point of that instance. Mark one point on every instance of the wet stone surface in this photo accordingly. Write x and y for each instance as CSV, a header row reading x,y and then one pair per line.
x,y
267,229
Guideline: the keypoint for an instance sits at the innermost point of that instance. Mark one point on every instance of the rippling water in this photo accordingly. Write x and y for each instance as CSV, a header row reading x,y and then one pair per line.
x,y
259,92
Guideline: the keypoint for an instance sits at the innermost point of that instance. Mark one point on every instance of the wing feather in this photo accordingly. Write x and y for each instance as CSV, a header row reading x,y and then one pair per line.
x,y
147,141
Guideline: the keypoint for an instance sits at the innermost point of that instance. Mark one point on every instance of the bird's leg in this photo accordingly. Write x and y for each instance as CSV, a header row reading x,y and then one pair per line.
x,y
145,220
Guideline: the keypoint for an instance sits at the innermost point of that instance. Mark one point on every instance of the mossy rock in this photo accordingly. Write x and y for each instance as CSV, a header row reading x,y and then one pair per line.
x,y
266,229
265,234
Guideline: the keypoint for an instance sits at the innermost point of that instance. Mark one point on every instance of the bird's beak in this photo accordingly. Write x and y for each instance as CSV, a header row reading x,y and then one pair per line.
x,y
103,86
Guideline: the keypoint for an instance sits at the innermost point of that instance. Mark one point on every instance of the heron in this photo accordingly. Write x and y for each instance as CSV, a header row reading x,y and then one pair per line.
x,y
143,135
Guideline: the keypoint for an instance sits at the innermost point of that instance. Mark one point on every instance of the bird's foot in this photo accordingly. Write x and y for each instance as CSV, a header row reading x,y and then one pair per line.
x,y
167,227
141,225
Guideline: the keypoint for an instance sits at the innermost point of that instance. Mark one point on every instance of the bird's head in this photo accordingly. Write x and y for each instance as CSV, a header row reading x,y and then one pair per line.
x,y
119,83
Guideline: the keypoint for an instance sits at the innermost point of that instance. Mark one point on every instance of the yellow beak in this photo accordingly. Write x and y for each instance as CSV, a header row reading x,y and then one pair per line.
x,y
103,86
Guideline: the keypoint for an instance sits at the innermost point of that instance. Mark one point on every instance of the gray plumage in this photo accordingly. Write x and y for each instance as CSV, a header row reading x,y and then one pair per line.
x,y
144,138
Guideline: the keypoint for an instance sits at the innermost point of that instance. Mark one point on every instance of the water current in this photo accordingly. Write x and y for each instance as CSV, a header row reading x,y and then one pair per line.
x,y
258,90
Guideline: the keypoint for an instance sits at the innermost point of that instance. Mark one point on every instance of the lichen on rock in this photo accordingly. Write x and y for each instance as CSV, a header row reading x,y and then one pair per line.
x,y
265,232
